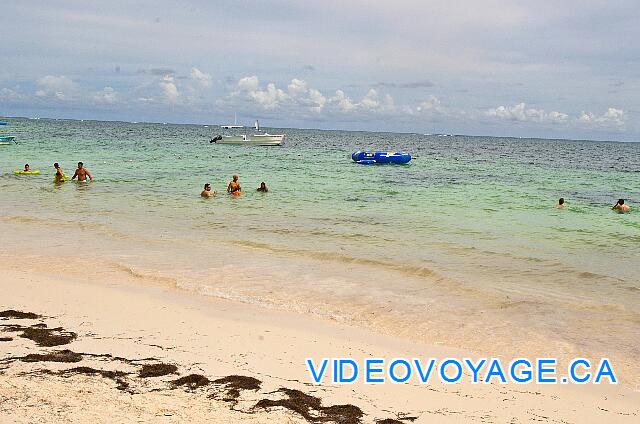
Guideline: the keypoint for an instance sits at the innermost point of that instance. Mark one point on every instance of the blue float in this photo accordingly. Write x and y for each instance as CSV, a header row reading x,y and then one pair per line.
x,y
373,158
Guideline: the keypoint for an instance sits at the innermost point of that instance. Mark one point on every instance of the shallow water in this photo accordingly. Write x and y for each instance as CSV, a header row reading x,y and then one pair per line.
x,y
468,227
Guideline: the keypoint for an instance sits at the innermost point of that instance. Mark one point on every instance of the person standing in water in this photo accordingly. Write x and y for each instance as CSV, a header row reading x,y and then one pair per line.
x,y
234,187
263,187
59,177
82,173
560,204
207,191
621,207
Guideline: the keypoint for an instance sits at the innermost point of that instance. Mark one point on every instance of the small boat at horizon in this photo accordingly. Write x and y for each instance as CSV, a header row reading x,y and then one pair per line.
x,y
235,124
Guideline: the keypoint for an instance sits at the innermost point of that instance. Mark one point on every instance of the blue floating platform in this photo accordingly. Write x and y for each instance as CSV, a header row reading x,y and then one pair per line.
x,y
374,158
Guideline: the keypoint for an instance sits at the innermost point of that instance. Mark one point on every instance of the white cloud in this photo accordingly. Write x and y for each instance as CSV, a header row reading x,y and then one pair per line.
x,y
107,95
269,98
297,87
612,118
201,78
372,102
300,94
11,94
169,88
432,103
344,103
318,99
248,83
58,87
521,113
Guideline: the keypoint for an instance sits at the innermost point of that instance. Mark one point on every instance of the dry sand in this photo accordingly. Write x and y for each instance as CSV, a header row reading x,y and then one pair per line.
x,y
118,325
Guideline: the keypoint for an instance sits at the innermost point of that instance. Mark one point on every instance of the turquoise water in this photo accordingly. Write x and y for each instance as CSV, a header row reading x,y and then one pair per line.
x,y
470,223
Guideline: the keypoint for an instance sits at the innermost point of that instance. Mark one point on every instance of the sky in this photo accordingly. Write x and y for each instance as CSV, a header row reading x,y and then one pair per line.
x,y
565,69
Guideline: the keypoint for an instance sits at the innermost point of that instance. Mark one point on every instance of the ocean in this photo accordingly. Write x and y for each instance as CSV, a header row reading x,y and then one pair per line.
x,y
462,247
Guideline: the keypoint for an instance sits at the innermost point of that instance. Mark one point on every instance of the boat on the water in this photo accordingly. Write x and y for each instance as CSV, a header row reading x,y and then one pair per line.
x,y
250,139
260,139
235,124
3,123
7,139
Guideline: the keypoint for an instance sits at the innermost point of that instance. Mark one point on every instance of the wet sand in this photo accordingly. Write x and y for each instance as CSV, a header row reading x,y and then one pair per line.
x,y
103,347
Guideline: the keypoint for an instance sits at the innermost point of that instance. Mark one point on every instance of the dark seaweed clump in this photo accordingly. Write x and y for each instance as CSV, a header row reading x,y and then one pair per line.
x,y
117,376
43,336
311,409
233,384
5,339
157,370
240,382
192,381
57,356
13,314
48,336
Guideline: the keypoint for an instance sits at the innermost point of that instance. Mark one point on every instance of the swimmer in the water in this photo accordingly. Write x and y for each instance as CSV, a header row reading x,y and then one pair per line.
x,y
621,207
82,173
263,187
560,204
234,187
59,177
207,191
26,168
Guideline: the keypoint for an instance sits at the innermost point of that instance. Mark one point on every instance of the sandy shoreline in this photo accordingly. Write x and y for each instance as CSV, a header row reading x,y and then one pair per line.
x,y
114,314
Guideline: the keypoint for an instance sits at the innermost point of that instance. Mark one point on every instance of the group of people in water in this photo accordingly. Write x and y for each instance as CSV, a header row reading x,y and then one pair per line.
x,y
619,207
81,173
234,188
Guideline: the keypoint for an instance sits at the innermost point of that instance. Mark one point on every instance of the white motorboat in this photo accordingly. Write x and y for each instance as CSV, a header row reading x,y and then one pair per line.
x,y
251,139
261,139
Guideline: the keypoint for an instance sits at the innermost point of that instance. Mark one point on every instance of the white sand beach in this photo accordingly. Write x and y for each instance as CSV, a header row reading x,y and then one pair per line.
x,y
113,312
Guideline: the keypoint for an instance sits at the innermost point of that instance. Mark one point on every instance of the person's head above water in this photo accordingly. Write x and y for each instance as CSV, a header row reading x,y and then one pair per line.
x,y
235,178
207,186
55,165
621,202
80,164
561,201
26,166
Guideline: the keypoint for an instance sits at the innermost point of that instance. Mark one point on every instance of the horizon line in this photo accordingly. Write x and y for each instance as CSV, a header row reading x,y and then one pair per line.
x,y
333,129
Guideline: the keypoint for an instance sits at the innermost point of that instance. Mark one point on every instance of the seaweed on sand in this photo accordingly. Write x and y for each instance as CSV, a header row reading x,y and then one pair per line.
x,y
157,370
311,409
57,356
42,335
117,376
192,381
13,314
233,384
